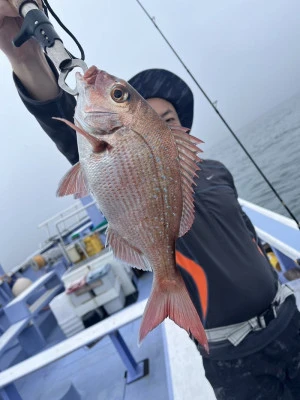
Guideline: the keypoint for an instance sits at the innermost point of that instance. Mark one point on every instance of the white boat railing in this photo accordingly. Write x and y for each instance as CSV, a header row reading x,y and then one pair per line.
x,y
286,245
70,217
268,213
62,349
77,210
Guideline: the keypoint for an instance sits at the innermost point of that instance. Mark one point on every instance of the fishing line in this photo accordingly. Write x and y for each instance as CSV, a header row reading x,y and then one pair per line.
x,y
47,8
220,115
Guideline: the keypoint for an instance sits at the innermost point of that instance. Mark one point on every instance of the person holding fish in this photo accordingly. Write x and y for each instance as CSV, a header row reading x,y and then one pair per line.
x,y
138,160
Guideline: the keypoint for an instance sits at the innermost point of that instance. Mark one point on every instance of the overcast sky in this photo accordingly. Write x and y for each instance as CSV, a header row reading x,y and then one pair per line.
x,y
245,54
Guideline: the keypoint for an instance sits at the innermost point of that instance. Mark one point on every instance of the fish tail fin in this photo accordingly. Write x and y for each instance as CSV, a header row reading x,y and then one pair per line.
x,y
171,299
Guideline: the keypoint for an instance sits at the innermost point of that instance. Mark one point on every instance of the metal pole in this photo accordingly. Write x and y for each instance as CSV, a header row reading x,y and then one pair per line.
x,y
135,370
10,392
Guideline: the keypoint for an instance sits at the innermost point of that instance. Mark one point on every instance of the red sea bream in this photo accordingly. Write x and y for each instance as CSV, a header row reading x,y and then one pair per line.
x,y
140,171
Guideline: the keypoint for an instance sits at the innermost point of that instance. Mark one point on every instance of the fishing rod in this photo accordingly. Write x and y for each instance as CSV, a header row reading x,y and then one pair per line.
x,y
220,115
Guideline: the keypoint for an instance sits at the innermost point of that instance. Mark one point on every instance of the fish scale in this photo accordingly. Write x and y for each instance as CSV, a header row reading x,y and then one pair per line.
x,y
133,195
140,171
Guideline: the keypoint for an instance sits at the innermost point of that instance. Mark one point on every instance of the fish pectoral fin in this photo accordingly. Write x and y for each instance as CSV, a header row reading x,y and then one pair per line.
x,y
122,250
99,145
188,158
173,301
73,182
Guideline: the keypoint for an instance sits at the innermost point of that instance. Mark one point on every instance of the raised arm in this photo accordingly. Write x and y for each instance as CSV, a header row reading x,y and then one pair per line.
x,y
36,81
28,61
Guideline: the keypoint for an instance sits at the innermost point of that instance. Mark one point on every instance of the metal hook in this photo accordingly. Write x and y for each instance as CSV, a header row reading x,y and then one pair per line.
x,y
65,72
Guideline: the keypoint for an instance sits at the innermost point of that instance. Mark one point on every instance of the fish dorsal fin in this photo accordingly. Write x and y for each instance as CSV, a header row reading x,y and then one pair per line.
x,y
187,153
122,250
73,183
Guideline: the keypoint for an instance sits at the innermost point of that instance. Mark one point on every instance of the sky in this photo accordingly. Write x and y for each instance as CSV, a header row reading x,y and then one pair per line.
x,y
244,53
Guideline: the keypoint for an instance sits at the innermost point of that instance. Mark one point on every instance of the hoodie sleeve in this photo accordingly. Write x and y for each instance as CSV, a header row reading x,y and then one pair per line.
x,y
62,106
246,219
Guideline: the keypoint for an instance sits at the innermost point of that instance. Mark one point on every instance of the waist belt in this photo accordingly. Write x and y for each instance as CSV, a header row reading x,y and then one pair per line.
x,y
236,333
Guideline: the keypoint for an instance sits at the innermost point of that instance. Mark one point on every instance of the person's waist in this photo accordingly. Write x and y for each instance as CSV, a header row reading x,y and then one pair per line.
x,y
236,333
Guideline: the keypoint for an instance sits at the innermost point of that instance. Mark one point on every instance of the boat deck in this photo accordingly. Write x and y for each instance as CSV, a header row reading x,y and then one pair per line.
x,y
98,372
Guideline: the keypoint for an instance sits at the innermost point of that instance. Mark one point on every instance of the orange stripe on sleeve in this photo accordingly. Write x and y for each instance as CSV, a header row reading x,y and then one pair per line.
x,y
199,277
258,248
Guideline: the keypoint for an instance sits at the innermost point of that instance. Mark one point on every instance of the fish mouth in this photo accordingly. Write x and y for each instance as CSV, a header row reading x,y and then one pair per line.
x,y
90,75
94,77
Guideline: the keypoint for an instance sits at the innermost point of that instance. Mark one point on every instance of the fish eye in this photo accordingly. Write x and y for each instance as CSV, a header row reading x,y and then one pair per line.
x,y
119,94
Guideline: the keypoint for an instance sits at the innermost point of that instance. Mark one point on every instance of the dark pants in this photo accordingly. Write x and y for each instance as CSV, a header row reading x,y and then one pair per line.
x,y
270,374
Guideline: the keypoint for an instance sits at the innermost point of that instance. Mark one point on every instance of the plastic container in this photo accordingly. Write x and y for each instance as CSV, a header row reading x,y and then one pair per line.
x,y
103,277
117,304
86,307
78,299
65,315
109,295
93,244
73,253
97,273
274,261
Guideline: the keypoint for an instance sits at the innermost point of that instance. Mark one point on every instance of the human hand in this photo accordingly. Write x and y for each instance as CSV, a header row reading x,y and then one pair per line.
x,y
10,24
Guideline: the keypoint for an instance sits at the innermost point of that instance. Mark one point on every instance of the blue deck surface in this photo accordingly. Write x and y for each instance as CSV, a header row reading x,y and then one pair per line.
x,y
98,372
284,233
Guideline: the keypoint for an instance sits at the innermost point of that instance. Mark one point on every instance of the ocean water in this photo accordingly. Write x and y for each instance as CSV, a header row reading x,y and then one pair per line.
x,y
273,140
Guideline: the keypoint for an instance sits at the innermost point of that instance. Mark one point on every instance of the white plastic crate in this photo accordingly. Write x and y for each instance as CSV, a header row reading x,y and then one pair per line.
x,y
86,307
107,282
122,271
115,304
109,295
65,315
78,273
77,300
